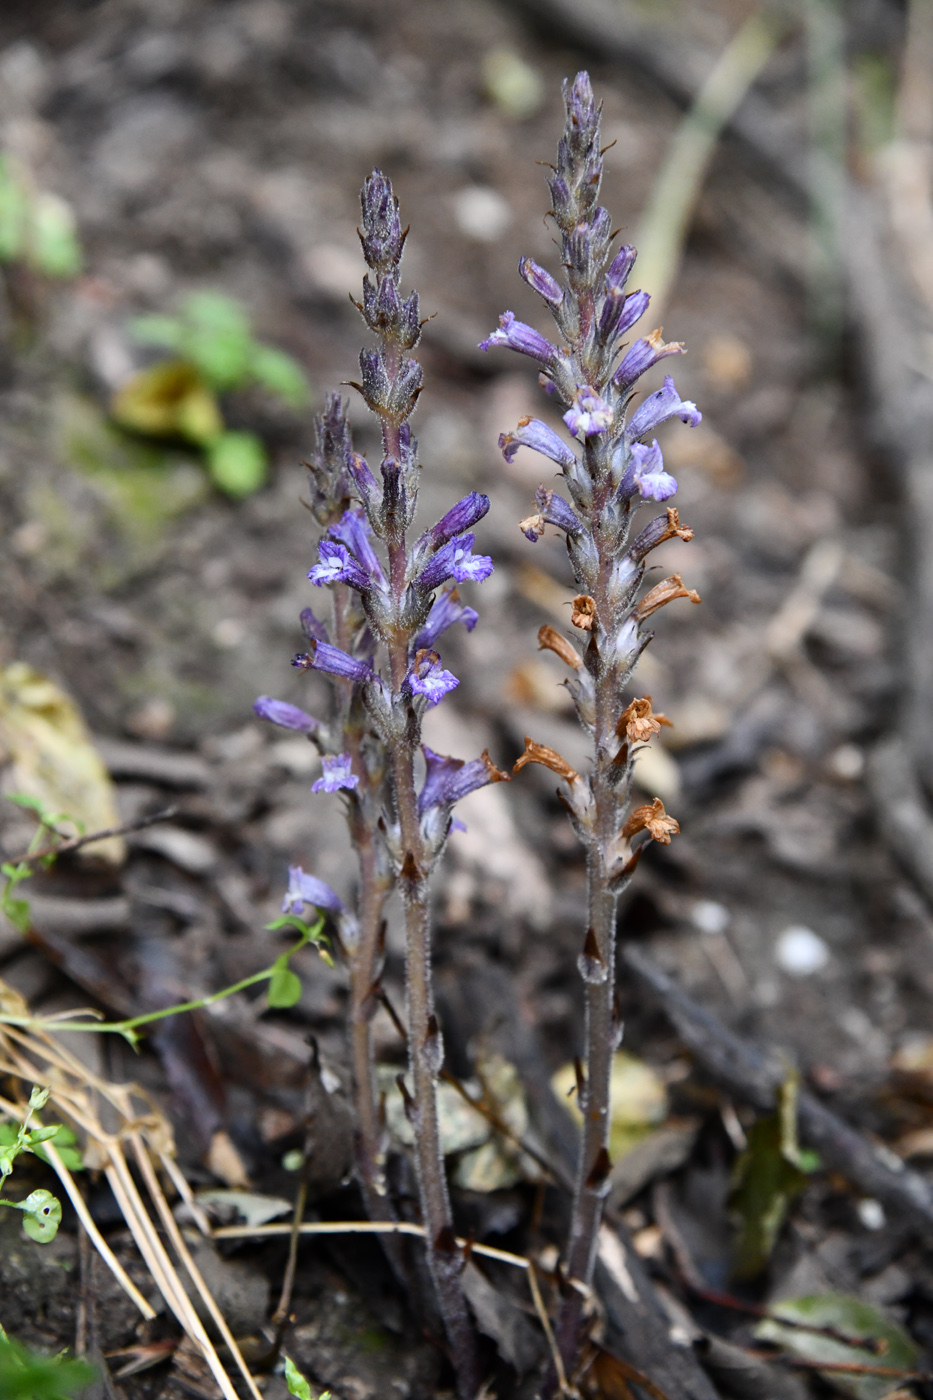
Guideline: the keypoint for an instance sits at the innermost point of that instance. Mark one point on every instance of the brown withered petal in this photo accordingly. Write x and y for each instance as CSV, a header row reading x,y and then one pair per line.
x,y
673,524
549,639
496,775
653,819
532,525
639,722
548,758
664,592
584,612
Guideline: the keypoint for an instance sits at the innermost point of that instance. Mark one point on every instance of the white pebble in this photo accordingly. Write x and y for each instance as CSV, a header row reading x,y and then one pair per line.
x,y
800,952
482,213
710,917
871,1213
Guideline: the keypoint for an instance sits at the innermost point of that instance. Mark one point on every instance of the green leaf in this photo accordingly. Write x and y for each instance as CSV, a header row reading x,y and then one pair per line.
x,y
237,462
217,338
311,933
27,1376
280,374
297,1385
17,911
284,985
55,250
848,1318
14,213
158,330
768,1176
65,1143
42,1215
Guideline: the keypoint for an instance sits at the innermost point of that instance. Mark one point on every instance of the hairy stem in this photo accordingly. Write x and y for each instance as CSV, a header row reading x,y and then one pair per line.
x,y
600,1029
445,1263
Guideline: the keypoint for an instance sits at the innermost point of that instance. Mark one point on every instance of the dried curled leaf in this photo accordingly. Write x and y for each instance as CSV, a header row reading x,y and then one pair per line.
x,y
53,759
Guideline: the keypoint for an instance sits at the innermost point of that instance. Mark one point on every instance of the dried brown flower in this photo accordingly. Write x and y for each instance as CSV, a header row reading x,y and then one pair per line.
x,y
549,758
664,592
653,819
639,723
549,639
584,612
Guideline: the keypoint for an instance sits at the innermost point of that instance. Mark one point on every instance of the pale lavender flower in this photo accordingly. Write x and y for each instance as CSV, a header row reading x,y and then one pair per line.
x,y
657,408
588,414
337,774
287,716
428,678
337,565
304,890
335,662
541,281
515,335
531,432
648,474
445,611
455,560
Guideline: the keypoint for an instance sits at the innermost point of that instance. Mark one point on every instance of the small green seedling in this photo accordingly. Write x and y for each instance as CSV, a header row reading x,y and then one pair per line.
x,y
27,1376
213,353
37,228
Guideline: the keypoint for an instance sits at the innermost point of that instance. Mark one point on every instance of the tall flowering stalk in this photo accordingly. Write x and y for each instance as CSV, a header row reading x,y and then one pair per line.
x,y
608,470
390,610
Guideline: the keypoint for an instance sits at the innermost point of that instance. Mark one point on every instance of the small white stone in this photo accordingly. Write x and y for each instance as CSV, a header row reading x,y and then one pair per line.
x,y
871,1213
800,952
482,213
228,633
847,762
710,917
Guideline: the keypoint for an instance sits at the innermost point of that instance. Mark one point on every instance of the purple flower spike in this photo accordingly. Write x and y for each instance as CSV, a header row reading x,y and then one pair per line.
x,y
463,516
657,408
337,774
287,716
589,414
353,532
643,355
306,890
338,566
428,678
541,281
531,432
445,611
454,560
515,335
653,482
334,661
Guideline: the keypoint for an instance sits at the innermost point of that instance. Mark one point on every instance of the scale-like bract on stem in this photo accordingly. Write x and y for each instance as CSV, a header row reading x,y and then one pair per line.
x,y
608,470
391,608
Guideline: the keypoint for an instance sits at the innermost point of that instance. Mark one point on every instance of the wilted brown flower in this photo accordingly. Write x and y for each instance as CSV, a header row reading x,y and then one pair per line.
x,y
653,819
639,723
549,758
584,612
664,592
549,639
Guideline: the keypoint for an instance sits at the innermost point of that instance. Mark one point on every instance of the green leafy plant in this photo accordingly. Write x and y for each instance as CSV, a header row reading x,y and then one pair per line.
x,y
297,1385
26,1376
42,1212
15,908
37,228
213,353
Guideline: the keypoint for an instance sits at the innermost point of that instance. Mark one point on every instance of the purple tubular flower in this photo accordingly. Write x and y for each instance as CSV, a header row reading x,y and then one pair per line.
x,y
643,354
541,281
657,408
463,516
308,889
334,661
531,432
382,236
449,779
619,270
337,774
648,474
551,509
515,335
312,626
445,611
454,560
588,414
352,531
338,566
428,678
287,716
